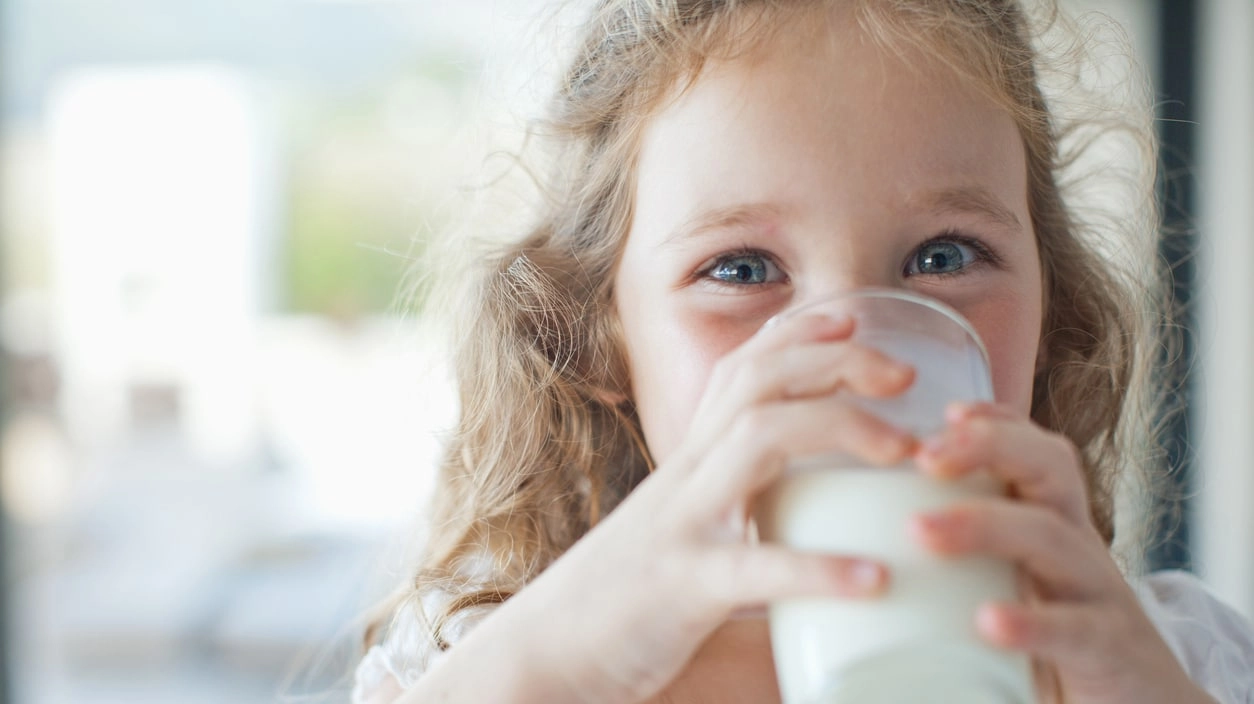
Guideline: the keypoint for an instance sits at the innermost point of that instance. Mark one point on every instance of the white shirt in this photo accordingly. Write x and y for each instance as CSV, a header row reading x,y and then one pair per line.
x,y
1213,643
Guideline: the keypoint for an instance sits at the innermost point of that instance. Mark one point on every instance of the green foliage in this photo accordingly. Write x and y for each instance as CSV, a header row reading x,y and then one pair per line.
x,y
346,255
356,216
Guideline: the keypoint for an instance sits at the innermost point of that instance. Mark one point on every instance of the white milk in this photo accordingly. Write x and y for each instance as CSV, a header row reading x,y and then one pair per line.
x,y
917,643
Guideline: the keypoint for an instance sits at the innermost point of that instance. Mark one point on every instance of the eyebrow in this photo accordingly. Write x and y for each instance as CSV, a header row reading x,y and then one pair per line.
x,y
975,200
729,217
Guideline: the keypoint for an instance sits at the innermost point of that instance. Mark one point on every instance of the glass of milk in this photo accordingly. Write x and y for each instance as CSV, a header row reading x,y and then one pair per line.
x,y
918,642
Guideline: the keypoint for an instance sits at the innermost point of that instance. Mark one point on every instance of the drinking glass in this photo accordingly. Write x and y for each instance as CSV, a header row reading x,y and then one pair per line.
x,y
917,643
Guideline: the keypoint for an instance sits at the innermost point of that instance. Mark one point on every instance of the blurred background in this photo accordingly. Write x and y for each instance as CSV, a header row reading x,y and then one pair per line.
x,y
219,415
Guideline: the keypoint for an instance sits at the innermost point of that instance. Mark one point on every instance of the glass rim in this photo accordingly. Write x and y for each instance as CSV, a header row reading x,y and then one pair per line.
x,y
882,292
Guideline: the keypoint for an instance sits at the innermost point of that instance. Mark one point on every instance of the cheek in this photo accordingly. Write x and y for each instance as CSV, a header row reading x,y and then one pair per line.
x,y
1011,335
1014,364
671,355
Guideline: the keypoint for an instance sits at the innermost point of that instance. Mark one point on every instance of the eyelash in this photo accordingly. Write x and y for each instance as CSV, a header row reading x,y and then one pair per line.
x,y
983,255
706,272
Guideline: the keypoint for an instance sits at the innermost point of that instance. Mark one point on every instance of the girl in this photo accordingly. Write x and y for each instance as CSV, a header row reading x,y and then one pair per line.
x,y
622,404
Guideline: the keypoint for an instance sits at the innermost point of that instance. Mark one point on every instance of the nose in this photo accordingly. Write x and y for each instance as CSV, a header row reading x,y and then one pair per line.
x,y
833,281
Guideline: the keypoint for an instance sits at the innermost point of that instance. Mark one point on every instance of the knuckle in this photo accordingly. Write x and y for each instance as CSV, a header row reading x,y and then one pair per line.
x,y
711,586
757,425
1101,639
873,357
749,373
1055,533
1067,450
989,409
679,465
981,431
724,368
807,326
871,436
726,575
757,440
974,524
1043,522
859,355
1043,627
1073,463
719,577
871,362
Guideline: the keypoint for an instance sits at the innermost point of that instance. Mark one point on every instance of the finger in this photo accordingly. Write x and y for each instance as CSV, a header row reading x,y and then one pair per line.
x,y
764,440
717,406
962,410
814,369
1094,649
1068,634
1054,552
1040,467
804,370
796,372
746,575
791,331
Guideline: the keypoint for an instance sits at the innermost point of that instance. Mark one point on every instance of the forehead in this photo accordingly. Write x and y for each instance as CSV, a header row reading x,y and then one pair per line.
x,y
800,110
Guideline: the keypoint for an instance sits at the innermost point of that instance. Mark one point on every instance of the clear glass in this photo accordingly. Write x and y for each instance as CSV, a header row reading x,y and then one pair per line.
x,y
918,642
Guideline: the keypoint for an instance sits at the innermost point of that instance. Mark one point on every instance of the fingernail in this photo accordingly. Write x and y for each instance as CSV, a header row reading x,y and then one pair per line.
x,y
932,522
988,620
837,321
866,574
901,370
1001,623
957,412
932,447
898,446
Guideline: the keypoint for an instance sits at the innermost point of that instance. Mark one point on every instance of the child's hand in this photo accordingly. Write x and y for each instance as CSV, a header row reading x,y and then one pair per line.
x,y
622,612
1083,620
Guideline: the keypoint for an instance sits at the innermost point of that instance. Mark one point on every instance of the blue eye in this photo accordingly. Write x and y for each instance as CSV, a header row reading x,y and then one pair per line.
x,y
744,269
942,257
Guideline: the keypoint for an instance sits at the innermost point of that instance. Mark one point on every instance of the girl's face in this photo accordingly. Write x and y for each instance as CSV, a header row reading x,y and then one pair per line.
x,y
810,167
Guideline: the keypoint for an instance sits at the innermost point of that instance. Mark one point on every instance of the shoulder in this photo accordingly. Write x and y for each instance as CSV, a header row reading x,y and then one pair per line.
x,y
1213,642
408,648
